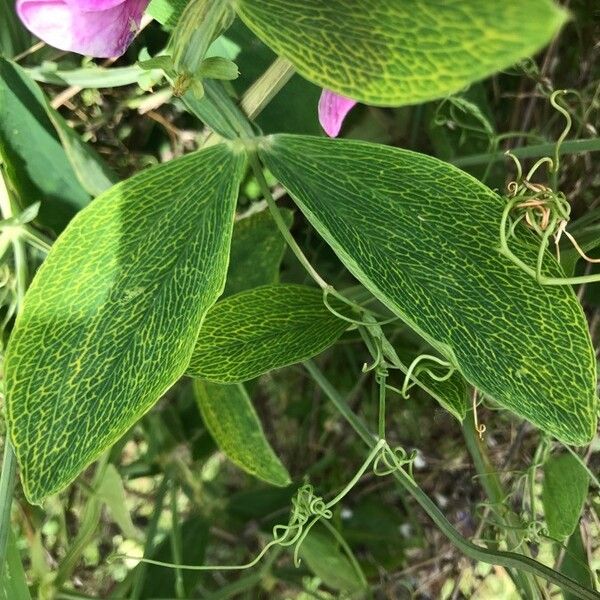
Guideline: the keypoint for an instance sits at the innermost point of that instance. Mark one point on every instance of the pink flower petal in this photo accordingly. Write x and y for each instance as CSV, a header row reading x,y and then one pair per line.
x,y
100,28
93,5
333,109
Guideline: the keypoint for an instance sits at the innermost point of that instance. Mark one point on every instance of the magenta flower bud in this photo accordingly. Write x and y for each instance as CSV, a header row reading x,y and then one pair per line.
x,y
99,28
333,109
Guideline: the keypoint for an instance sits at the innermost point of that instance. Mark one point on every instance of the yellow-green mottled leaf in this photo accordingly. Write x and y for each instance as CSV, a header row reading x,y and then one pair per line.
x,y
392,52
232,421
423,237
257,248
110,320
564,492
262,329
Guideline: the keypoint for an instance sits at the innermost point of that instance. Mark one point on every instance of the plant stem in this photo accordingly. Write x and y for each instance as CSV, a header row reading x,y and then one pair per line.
x,y
262,91
7,484
140,570
285,232
176,543
534,151
497,496
87,528
509,560
9,462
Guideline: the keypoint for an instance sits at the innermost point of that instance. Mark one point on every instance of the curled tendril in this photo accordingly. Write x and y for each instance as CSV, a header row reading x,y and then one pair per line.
x,y
415,368
480,428
308,509
544,210
391,459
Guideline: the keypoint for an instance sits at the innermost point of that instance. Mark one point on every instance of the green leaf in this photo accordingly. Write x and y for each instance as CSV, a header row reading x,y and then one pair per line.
x,y
564,492
325,559
262,329
13,583
386,52
217,67
257,249
110,320
14,38
111,491
232,421
575,564
423,237
167,12
217,110
35,161
91,171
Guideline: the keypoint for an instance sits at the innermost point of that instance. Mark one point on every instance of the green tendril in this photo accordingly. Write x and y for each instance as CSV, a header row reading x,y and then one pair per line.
x,y
544,210
307,510
413,372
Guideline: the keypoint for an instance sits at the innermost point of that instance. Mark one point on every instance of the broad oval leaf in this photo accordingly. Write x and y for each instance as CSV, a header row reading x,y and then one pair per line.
x,y
110,320
387,52
565,489
262,329
232,421
422,236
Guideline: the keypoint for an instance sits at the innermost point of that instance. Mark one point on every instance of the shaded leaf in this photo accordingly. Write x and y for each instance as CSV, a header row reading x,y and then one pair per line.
x,y
13,583
91,171
110,320
14,38
575,564
257,249
233,423
423,237
564,492
111,491
262,329
386,52
167,12
328,562
35,161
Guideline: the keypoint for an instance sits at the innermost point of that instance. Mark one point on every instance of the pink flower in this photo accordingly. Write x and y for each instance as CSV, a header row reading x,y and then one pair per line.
x,y
100,28
333,109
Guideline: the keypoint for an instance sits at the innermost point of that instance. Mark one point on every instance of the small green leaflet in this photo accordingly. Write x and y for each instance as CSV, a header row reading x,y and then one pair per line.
x,y
388,52
262,329
564,492
232,421
422,236
257,248
110,320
